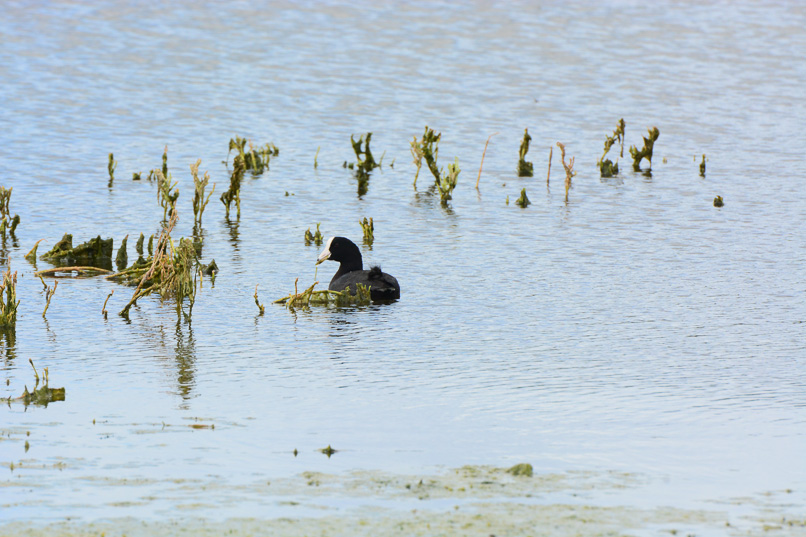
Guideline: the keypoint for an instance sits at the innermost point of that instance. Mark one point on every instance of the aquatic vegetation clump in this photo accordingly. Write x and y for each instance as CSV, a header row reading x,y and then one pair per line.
x,y
111,167
447,182
366,163
122,259
523,469
368,227
314,238
40,396
523,200
233,193
153,173
646,151
167,194
702,166
525,169
95,252
199,201
255,160
326,297
569,170
427,148
170,272
6,221
606,166
718,202
8,299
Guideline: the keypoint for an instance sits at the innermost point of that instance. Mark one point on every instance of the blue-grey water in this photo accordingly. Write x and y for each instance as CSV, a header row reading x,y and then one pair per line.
x,y
635,328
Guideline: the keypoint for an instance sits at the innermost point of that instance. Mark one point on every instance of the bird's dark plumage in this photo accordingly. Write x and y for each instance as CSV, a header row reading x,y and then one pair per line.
x,y
351,271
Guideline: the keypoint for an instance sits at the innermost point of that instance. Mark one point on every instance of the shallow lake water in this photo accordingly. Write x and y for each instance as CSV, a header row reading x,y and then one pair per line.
x,y
634,331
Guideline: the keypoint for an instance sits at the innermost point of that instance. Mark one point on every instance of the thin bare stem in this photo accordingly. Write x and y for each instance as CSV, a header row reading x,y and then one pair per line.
x,y
551,152
482,159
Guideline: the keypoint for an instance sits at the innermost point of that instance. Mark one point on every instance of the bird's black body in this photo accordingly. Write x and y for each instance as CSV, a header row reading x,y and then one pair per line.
x,y
351,271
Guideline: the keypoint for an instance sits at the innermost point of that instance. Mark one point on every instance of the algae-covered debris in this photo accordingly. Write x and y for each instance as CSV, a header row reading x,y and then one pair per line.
x,y
525,169
368,227
569,170
523,200
325,297
646,151
606,167
524,469
95,252
718,201
314,238
8,299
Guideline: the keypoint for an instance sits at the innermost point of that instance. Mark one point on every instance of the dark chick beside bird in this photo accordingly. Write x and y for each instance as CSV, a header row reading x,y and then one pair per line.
x,y
382,286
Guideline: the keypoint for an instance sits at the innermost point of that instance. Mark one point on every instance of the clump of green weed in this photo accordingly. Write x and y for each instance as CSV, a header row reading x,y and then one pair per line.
x,y
525,169
523,200
606,166
368,227
122,259
646,151
6,221
199,201
447,182
111,167
718,202
702,166
327,297
365,162
234,191
8,299
95,252
314,238
255,160
426,148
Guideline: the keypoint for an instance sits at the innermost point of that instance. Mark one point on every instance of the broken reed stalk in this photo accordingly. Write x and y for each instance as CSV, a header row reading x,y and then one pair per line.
x,y
8,299
49,292
199,201
569,170
482,160
103,310
260,306
86,271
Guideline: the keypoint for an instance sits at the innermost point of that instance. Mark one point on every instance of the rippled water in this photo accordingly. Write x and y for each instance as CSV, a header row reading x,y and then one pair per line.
x,y
635,328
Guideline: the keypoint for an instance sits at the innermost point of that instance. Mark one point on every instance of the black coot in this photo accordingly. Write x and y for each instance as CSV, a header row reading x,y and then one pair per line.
x,y
382,286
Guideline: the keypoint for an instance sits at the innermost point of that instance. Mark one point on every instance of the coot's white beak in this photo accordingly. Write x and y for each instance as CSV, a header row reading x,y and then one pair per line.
x,y
325,255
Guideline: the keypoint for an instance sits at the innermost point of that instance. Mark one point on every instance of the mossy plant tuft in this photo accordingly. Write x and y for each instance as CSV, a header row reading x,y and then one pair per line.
x,y
525,169
646,151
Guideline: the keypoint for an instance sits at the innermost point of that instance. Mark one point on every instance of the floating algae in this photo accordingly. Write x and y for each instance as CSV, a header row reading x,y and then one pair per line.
x,y
646,151
525,169
95,252
40,396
